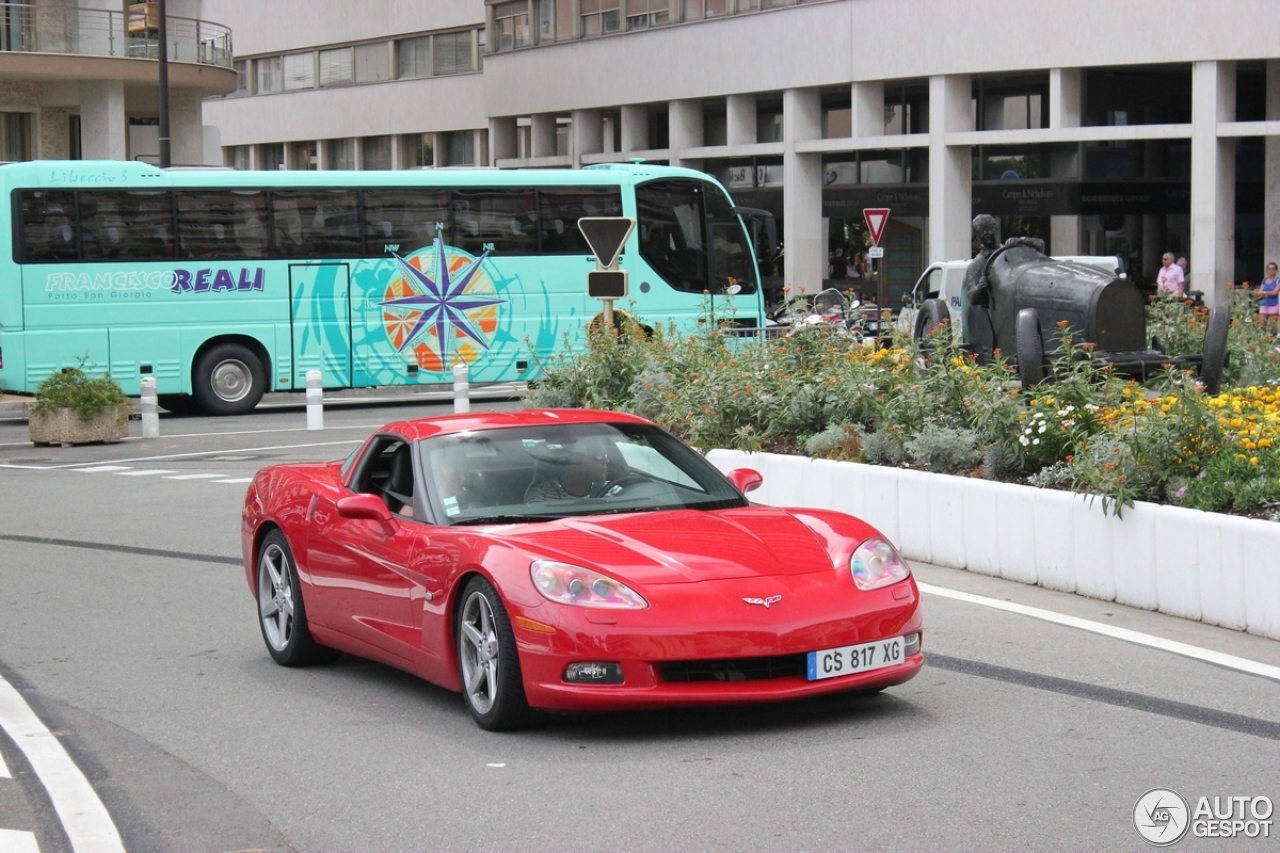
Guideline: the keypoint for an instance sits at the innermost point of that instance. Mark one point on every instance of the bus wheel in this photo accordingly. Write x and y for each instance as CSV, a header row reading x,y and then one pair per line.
x,y
228,380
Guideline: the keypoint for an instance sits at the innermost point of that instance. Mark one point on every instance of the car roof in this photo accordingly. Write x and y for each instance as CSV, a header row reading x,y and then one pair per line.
x,y
479,421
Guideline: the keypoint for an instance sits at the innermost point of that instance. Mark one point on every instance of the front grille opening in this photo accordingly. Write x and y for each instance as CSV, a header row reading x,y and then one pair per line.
x,y
733,669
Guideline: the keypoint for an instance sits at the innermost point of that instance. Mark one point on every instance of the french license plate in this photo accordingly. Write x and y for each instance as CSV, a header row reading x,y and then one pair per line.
x,y
849,660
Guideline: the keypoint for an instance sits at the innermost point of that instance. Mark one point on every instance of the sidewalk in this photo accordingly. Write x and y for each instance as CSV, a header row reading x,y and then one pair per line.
x,y
13,407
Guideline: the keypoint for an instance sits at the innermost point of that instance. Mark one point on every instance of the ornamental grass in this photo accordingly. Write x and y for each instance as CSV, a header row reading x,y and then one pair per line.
x,y
934,407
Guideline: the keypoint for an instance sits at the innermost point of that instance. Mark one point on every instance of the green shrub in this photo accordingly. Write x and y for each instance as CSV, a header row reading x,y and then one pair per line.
x,y
74,388
944,449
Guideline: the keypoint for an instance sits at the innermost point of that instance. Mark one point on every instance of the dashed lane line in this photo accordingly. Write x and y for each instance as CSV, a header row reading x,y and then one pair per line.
x,y
84,818
142,472
16,841
1137,637
100,469
191,476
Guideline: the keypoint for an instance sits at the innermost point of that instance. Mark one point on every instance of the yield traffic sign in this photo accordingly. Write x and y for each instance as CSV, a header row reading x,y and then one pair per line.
x,y
606,236
876,217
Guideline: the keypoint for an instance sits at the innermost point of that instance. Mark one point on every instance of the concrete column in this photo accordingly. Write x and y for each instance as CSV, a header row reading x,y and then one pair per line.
x,y
1065,98
439,157
186,127
1271,171
806,257
322,156
950,172
255,158
740,115
609,129
686,130
358,155
480,144
503,139
104,128
1213,180
397,152
868,109
635,128
543,134
587,135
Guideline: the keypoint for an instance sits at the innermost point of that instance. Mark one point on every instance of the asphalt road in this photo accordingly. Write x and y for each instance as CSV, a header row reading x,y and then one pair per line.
x,y
126,624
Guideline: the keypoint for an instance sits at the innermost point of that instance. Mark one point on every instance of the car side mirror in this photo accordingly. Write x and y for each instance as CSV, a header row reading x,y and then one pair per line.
x,y
370,507
745,479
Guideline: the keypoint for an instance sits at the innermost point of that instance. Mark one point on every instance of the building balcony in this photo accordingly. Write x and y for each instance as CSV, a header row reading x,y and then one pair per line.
x,y
53,42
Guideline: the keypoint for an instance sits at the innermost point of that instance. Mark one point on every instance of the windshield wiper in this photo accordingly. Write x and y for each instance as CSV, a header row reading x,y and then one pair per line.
x,y
506,519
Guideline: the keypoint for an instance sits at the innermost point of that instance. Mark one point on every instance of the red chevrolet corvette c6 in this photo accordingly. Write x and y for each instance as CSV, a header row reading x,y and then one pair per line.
x,y
570,560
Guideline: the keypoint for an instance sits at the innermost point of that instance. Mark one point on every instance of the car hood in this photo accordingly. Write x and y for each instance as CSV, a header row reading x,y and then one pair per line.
x,y
681,546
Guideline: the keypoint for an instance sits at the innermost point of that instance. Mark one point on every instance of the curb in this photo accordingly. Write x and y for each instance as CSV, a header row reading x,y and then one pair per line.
x,y
1213,568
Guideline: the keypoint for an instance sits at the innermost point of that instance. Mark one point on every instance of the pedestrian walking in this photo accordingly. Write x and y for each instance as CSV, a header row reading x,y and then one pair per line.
x,y
1269,290
1170,279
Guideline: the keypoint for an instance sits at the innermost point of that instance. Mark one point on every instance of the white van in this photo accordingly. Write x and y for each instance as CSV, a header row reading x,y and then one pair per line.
x,y
945,280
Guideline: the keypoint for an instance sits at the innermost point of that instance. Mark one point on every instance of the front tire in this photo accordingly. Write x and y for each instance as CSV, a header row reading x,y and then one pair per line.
x,y
281,613
492,685
932,314
228,380
1214,359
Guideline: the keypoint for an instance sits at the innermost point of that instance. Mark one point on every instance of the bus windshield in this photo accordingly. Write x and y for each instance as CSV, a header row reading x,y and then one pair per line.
x,y
690,235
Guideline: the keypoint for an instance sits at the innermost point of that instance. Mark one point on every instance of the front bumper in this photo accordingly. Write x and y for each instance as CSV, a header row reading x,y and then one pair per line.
x,y
709,626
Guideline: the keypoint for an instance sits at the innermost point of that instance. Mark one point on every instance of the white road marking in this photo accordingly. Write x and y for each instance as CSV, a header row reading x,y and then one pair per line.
x,y
1136,637
85,819
243,480
15,841
4,773
145,472
97,469
192,476
75,465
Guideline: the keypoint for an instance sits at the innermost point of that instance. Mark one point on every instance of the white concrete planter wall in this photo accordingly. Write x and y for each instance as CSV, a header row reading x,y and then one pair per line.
x,y
1219,569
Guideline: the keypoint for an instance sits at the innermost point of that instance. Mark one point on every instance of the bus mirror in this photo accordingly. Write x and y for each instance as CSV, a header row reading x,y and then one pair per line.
x,y
755,214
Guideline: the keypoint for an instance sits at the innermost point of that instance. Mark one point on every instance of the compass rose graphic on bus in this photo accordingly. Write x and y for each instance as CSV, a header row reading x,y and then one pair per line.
x,y
442,294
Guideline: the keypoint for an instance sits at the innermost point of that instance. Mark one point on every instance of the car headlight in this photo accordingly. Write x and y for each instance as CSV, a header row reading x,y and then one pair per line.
x,y
876,563
568,584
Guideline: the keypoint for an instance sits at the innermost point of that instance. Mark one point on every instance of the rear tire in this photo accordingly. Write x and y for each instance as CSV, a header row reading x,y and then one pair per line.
x,y
228,379
932,314
1214,359
1030,348
492,684
281,614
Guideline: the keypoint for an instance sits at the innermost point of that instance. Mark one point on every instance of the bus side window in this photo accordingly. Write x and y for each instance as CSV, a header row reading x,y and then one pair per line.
x,y
222,224
405,219
671,232
559,211
327,224
126,225
502,222
48,227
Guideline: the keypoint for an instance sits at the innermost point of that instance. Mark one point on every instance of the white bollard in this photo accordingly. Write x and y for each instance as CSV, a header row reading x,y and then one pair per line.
x,y
461,387
315,400
150,409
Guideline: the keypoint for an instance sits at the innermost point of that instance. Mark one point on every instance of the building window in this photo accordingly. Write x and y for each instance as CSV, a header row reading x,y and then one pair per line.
x,y
304,156
415,57
15,136
340,154
242,77
335,67
417,151
512,23
460,148
271,157
270,74
73,134
452,53
564,20
546,20
372,62
238,157
299,71
377,152
643,14
600,17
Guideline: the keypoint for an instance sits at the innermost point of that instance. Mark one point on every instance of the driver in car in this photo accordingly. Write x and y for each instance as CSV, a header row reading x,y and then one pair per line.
x,y
582,471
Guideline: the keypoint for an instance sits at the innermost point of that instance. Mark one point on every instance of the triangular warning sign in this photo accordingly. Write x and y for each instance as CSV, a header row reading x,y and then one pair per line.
x,y
605,235
876,217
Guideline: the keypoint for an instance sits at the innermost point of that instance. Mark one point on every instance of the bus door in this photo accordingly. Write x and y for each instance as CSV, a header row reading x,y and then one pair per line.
x,y
319,296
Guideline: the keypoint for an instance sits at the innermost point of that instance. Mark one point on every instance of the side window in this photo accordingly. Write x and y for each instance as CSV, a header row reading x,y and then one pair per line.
x,y
560,209
387,472
126,226
933,284
48,227
222,224
502,222
316,224
672,223
405,219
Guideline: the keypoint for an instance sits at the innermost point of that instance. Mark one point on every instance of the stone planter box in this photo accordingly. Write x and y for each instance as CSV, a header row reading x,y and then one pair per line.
x,y
1219,569
63,426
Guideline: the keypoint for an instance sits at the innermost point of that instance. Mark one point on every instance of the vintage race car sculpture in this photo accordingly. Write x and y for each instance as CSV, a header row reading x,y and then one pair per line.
x,y
570,560
1028,294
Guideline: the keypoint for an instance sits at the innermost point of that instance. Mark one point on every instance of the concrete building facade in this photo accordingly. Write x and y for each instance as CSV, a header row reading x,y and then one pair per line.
x,y
1129,129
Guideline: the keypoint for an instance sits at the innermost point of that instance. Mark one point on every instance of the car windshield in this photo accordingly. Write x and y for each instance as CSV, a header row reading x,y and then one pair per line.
x,y
541,473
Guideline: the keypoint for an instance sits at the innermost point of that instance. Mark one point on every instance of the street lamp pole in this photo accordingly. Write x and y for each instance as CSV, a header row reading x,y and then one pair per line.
x,y
165,158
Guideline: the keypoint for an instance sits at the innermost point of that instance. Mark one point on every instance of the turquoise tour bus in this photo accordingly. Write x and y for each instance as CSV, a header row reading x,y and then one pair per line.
x,y
223,285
